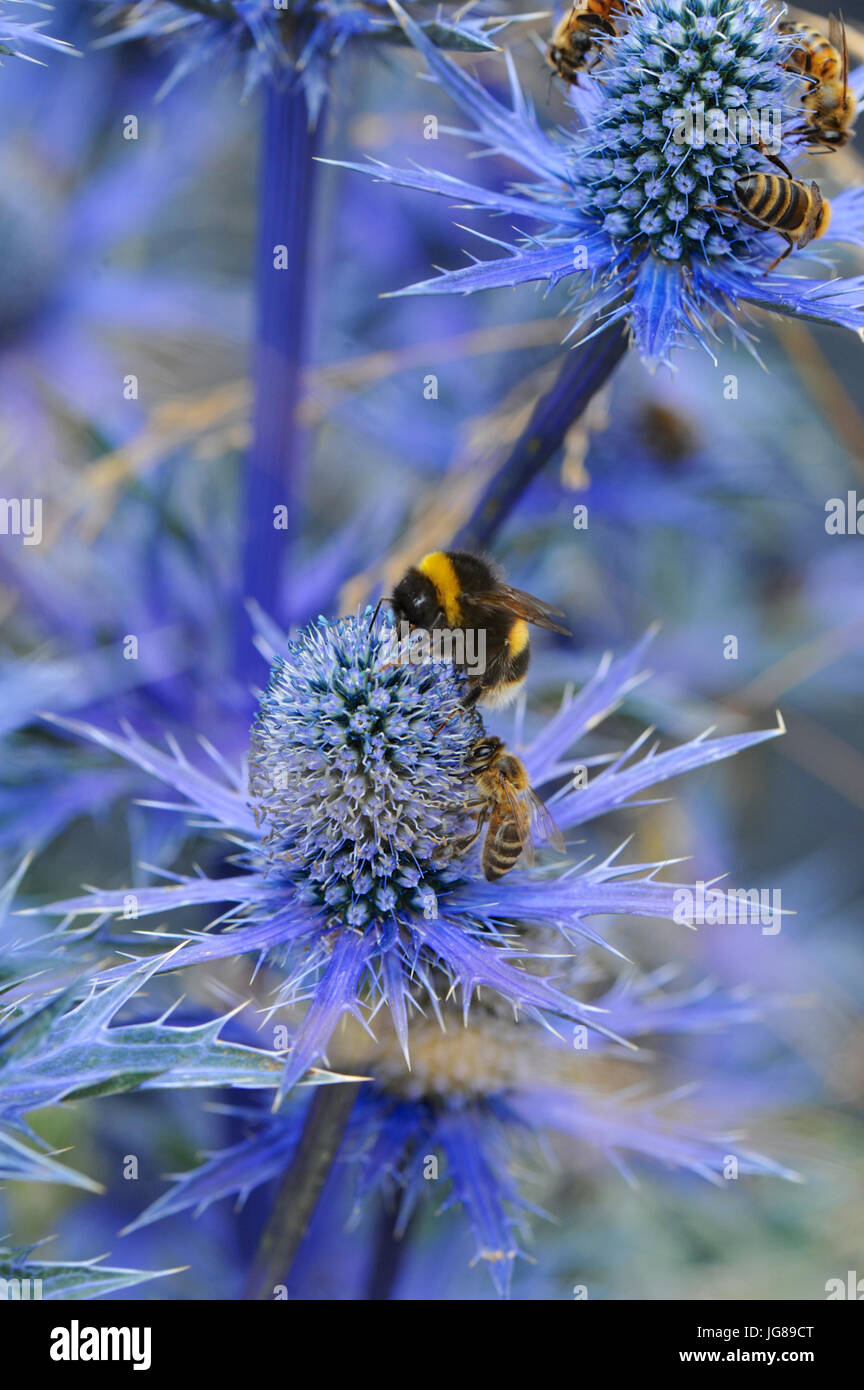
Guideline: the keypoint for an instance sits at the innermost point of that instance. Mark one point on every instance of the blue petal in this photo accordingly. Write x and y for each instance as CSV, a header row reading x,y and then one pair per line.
x,y
609,1124
473,964
657,310
847,217
839,301
227,805
536,262
235,1171
616,784
597,699
335,995
20,1162
515,133
465,194
483,1190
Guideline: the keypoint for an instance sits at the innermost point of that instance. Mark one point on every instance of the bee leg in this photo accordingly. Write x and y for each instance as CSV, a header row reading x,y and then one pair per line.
x,y
813,144
718,207
473,696
444,723
468,702
774,159
467,841
736,212
789,249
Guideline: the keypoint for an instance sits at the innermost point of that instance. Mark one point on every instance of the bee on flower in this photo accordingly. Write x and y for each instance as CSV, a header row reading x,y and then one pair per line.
x,y
663,240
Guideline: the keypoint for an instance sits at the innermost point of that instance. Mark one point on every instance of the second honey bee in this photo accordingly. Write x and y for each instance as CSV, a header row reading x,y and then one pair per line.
x,y
824,64
783,204
575,44
507,807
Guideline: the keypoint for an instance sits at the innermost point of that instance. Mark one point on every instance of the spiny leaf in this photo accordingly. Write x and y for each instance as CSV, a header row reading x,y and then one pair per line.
x,y
82,1054
67,1279
22,1162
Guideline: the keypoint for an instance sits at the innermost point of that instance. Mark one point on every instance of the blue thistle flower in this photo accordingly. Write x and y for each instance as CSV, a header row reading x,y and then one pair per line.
x,y
358,783
484,1100
347,884
627,208
273,40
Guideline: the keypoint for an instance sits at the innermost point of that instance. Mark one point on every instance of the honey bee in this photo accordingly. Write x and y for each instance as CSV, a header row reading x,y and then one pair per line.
x,y
455,590
574,43
508,807
824,64
783,204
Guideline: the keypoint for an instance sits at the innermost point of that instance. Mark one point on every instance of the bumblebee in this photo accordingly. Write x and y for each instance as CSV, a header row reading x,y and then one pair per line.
x,y
575,41
455,590
780,203
824,64
507,807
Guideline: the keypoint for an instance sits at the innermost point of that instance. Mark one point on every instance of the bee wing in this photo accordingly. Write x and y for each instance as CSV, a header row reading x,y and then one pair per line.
x,y
837,36
551,831
521,808
522,605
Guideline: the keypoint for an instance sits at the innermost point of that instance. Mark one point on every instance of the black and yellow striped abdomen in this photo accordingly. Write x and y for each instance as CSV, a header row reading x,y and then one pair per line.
x,y
501,848
813,55
795,210
781,203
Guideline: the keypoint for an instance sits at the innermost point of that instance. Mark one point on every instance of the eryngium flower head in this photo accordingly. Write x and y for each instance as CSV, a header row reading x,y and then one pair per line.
x,y
628,200
358,770
416,927
713,54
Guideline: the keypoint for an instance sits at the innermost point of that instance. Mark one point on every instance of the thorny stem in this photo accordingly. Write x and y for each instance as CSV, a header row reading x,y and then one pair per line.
x,y
300,1188
273,463
584,370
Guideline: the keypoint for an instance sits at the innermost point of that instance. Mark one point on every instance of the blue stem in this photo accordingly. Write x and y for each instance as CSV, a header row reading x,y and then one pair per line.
x,y
584,370
272,472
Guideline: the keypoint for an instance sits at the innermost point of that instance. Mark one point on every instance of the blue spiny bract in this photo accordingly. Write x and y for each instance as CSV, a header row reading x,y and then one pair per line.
x,y
346,885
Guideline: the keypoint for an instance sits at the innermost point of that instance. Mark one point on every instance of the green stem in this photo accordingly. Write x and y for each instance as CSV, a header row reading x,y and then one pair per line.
x,y
299,1191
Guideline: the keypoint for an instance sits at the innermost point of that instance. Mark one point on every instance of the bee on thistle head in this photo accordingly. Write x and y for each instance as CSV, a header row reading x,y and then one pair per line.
x,y
632,222
457,590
